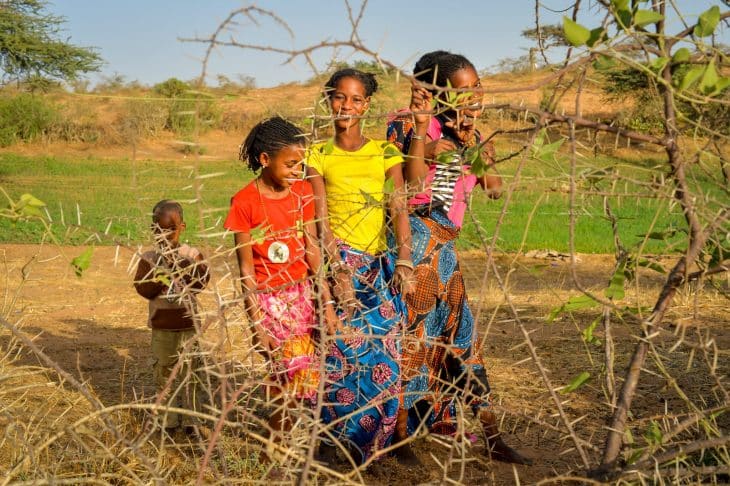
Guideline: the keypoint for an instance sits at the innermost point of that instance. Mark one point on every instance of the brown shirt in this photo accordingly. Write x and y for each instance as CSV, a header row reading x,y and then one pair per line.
x,y
170,287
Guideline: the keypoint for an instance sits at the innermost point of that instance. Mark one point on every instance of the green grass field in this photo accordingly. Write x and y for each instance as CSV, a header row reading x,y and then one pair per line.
x,y
114,197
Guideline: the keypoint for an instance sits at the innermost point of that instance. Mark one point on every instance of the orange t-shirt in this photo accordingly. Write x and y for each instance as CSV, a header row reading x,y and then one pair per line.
x,y
277,231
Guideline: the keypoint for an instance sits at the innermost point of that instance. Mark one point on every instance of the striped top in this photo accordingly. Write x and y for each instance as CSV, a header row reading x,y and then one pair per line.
x,y
448,183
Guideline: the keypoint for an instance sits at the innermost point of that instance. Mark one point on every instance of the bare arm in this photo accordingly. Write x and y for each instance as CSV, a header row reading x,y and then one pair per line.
x,y
145,281
491,182
320,213
244,254
313,257
416,163
343,287
399,215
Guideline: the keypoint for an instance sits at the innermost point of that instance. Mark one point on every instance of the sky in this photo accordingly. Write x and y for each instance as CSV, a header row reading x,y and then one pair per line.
x,y
140,39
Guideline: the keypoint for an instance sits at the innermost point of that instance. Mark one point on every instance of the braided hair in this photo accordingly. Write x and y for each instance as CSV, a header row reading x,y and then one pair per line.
x,y
165,207
444,64
424,68
269,136
367,79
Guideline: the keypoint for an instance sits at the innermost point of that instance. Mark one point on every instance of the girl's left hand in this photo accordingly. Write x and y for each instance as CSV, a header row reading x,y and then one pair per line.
x,y
403,280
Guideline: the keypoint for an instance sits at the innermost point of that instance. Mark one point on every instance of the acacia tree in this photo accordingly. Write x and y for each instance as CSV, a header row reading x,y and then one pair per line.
x,y
30,44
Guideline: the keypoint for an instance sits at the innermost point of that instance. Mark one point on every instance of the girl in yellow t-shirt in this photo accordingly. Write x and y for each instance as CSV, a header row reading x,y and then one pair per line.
x,y
348,174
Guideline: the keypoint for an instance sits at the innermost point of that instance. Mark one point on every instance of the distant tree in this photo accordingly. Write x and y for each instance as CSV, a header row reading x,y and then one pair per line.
x,y
30,44
550,36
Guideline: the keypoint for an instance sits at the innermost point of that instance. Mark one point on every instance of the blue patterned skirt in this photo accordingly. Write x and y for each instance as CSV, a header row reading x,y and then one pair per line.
x,y
362,366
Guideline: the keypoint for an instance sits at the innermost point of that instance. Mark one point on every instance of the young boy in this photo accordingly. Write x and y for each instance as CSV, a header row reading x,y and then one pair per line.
x,y
169,277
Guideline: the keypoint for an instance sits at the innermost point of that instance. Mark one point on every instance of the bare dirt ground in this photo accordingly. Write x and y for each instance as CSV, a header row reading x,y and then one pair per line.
x,y
95,328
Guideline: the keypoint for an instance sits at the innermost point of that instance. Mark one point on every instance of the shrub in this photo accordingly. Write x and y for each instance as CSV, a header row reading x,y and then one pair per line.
x,y
185,104
25,117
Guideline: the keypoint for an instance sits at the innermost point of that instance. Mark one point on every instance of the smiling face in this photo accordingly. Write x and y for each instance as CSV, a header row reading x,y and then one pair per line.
x,y
468,107
348,99
168,228
283,167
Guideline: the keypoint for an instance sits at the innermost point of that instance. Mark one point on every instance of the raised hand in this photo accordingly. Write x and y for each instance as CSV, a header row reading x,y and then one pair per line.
x,y
421,104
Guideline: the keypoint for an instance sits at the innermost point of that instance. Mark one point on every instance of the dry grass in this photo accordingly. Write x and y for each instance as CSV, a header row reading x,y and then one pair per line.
x,y
94,329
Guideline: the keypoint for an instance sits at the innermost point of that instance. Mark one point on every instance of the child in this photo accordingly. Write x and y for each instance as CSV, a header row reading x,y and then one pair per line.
x,y
348,174
169,276
441,355
276,246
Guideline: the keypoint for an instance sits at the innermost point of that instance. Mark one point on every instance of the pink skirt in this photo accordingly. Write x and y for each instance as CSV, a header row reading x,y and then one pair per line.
x,y
290,321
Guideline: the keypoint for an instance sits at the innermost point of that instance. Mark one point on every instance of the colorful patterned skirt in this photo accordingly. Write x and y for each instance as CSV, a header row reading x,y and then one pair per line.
x,y
290,321
363,375
441,360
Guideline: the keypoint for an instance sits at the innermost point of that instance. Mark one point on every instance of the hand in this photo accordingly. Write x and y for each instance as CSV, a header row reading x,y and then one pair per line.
x,y
437,147
333,322
421,105
346,293
263,341
489,153
463,127
403,280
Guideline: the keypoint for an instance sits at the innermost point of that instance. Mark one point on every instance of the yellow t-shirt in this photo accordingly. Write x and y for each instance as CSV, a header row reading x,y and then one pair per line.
x,y
355,182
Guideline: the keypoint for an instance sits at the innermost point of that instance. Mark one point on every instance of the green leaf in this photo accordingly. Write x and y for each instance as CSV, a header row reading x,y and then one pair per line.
x,y
660,235
709,78
369,199
637,310
163,277
707,22
654,434
546,153
30,207
646,17
681,56
691,77
389,186
577,382
604,63
391,150
643,262
657,64
720,86
615,290
575,33
622,12
588,336
83,261
449,157
328,147
574,303
258,234
596,37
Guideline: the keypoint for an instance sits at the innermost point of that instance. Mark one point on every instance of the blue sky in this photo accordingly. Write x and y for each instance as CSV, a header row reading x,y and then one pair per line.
x,y
140,38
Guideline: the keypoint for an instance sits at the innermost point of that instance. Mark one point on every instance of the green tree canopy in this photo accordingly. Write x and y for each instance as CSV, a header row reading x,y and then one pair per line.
x,y
31,45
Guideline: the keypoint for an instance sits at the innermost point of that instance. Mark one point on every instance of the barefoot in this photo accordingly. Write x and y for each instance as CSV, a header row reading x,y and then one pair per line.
x,y
496,447
406,457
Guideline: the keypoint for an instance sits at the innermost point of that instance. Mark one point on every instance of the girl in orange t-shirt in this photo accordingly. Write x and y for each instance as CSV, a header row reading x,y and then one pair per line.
x,y
276,244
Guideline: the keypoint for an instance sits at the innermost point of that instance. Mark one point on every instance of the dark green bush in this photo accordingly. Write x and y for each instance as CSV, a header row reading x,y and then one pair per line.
x,y
25,117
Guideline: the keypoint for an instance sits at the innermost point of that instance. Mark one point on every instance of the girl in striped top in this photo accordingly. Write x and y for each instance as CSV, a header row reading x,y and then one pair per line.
x,y
441,347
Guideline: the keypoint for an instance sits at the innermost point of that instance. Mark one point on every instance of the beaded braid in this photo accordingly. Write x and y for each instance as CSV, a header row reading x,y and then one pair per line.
x,y
269,136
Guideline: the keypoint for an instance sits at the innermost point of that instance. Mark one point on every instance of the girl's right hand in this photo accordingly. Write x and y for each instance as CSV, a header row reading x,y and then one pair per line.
x,y
346,293
332,321
437,147
263,341
421,105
